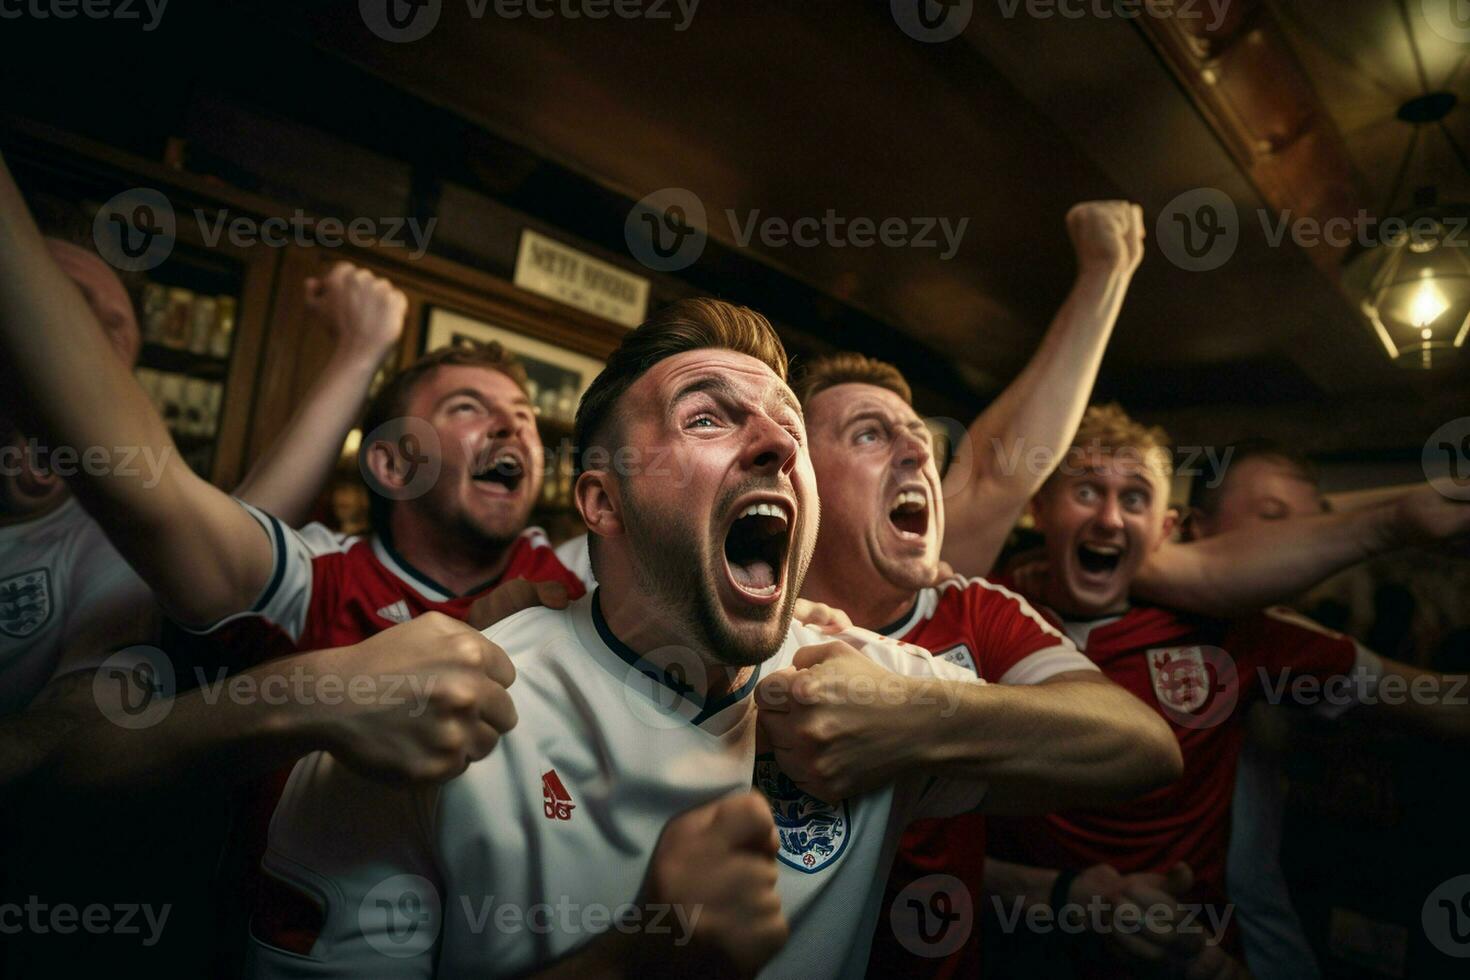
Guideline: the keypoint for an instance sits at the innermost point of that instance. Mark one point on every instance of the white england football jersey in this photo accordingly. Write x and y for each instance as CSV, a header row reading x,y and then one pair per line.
x,y
67,599
528,854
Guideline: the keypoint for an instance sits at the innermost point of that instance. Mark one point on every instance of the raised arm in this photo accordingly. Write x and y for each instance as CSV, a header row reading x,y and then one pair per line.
x,y
365,314
204,556
1251,567
1041,408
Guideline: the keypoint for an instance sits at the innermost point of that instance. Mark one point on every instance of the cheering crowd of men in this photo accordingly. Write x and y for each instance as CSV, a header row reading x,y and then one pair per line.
x,y
776,713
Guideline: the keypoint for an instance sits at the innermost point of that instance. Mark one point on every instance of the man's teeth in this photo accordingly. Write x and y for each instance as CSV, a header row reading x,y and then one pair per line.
x,y
1104,549
765,510
909,497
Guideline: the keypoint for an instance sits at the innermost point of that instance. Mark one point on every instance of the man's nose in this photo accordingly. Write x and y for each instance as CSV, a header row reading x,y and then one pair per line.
x,y
772,447
1110,514
913,449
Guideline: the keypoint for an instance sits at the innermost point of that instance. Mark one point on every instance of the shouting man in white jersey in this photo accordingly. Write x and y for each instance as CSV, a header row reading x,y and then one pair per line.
x,y
614,829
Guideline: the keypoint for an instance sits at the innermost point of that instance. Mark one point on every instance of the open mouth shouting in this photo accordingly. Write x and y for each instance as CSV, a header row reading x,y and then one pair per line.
x,y
502,474
909,514
1097,560
756,546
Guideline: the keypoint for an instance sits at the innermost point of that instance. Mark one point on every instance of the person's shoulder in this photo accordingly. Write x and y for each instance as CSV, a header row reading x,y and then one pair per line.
x,y
532,628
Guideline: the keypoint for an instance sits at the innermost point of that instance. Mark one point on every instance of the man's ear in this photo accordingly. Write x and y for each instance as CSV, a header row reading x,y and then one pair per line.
x,y
1171,521
597,499
385,465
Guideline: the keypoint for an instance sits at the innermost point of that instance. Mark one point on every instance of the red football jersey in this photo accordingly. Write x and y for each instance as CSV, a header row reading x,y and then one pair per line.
x,y
1200,675
997,634
330,590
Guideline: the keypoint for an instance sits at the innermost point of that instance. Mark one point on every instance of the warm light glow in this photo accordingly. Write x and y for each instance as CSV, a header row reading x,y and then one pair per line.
x,y
352,444
1426,306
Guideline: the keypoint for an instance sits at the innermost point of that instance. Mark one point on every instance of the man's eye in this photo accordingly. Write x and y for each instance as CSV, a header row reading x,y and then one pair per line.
x,y
702,422
865,436
1134,501
1086,493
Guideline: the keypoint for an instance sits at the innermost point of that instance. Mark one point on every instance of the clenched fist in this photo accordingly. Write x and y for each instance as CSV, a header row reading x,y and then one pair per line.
x,y
716,865
430,698
1107,235
838,723
364,311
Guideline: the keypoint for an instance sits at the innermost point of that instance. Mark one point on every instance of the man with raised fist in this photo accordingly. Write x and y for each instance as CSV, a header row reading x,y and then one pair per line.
x,y
635,705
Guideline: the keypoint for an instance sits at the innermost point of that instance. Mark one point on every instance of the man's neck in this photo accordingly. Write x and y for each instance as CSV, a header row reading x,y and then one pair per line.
x,y
639,623
458,563
872,608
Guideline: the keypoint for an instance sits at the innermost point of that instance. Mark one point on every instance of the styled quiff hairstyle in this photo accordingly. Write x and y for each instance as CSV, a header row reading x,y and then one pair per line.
x,y
1108,429
850,368
393,399
682,326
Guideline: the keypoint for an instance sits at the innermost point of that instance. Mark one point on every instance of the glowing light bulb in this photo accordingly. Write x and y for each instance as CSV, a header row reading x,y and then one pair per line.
x,y
1426,306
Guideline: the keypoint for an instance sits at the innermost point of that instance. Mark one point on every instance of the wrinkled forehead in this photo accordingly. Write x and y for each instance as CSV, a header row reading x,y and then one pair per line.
x,y
834,407
485,383
1122,467
725,374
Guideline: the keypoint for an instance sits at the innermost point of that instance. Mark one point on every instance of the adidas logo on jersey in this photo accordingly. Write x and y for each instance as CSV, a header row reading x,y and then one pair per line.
x,y
396,612
556,801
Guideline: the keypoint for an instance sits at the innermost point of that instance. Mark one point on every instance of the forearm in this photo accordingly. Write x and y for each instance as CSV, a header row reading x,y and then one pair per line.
x,y
1016,443
70,378
288,476
31,737
1242,570
1068,742
230,730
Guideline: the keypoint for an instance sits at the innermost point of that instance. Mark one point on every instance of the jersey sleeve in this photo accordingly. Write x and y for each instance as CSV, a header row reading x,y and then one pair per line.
x,y
351,885
1014,643
922,794
1284,644
285,600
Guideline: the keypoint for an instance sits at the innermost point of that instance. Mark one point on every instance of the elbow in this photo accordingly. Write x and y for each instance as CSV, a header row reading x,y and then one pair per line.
x,y
1157,750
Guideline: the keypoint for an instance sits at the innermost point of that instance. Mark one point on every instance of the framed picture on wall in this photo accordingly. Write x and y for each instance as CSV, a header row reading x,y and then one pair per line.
x,y
557,376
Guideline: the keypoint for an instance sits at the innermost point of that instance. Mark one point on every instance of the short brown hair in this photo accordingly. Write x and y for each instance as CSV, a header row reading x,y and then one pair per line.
x,y
393,398
682,326
1109,429
850,368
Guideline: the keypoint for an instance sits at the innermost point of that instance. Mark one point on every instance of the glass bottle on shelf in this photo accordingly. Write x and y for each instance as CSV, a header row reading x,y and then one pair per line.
x,y
202,323
177,322
566,402
224,328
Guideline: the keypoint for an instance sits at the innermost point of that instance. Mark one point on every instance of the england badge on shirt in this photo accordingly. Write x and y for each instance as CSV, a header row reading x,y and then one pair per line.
x,y
1180,679
25,602
813,833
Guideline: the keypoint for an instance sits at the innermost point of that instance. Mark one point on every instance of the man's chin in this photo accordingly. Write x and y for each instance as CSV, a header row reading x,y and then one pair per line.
x,y
910,574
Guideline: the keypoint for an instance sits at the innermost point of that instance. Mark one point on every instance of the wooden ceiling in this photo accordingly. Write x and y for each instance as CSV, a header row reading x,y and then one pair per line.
x,y
790,110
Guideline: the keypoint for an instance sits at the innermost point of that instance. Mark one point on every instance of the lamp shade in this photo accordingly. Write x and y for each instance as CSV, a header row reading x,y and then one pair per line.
x,y
1413,285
